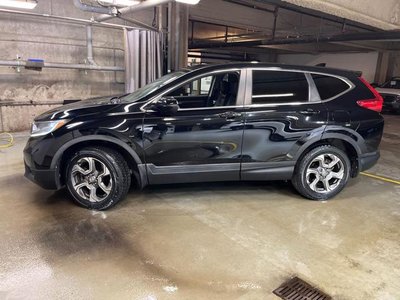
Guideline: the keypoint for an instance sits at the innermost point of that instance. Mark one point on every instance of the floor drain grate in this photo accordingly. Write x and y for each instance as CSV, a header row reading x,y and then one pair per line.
x,y
297,289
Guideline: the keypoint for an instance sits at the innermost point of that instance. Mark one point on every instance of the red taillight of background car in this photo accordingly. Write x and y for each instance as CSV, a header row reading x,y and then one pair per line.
x,y
376,103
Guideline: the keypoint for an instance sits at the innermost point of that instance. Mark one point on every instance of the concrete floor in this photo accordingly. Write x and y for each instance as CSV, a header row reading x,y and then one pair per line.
x,y
201,241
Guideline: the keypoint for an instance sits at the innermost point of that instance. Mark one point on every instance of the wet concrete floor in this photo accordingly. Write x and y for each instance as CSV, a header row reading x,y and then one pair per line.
x,y
201,241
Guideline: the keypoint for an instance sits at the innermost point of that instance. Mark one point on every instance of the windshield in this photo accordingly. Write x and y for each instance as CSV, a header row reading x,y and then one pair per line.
x,y
152,87
392,84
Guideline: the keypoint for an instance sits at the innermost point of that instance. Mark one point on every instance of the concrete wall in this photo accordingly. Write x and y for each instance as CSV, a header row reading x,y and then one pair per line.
x,y
365,62
55,41
17,117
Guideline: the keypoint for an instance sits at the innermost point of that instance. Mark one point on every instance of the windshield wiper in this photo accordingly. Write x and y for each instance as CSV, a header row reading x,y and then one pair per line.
x,y
117,99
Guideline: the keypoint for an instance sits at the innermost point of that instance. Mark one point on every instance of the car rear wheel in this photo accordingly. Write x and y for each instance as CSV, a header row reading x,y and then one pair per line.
x,y
322,173
98,177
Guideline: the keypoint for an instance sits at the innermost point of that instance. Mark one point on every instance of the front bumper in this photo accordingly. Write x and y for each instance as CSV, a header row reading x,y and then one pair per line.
x,y
393,106
46,179
43,176
368,160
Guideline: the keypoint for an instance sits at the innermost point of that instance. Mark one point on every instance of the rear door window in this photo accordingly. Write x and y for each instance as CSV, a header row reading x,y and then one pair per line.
x,y
328,86
270,87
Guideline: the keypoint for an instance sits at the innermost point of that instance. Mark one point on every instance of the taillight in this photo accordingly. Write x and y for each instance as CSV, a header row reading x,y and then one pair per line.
x,y
374,103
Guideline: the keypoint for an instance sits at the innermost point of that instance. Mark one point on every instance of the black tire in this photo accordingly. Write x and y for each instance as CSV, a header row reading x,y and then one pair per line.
x,y
299,179
119,176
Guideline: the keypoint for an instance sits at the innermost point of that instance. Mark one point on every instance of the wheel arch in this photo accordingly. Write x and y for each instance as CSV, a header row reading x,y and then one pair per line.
x,y
343,142
132,158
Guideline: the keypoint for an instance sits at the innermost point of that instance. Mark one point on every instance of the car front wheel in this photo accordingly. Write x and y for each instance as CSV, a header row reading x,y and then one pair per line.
x,y
98,177
322,173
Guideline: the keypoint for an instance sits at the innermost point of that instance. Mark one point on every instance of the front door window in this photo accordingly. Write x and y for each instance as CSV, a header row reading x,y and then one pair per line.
x,y
209,91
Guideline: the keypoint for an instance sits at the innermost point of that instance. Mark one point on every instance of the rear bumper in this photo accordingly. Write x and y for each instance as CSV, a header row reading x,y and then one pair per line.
x,y
367,161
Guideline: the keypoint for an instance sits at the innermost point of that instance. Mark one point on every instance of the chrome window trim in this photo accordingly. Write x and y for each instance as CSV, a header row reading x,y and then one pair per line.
x,y
239,99
205,108
308,75
280,104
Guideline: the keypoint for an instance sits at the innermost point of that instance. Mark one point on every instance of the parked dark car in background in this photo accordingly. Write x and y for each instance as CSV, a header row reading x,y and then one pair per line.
x,y
312,125
390,92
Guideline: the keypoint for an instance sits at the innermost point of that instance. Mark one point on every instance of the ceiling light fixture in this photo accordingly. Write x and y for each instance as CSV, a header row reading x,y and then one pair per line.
x,y
26,4
191,2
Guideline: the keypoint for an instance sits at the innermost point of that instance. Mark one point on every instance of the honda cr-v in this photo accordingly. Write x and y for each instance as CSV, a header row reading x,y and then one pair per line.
x,y
315,126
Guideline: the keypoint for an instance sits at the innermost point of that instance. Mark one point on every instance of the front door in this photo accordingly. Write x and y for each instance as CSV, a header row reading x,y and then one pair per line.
x,y
203,140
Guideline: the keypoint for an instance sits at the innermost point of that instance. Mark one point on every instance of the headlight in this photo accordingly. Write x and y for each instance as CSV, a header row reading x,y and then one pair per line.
x,y
46,127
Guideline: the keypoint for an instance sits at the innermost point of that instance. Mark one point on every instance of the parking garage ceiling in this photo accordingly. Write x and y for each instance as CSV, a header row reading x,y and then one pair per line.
x,y
296,26
369,12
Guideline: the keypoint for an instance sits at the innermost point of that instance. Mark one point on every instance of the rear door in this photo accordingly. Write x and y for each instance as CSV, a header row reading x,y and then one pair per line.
x,y
330,87
283,113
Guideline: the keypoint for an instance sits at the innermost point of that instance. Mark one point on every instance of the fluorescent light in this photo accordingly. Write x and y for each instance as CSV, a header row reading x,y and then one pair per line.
x,y
120,3
27,4
191,2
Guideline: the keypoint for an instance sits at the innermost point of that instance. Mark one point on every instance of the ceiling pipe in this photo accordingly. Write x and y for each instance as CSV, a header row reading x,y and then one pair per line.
x,y
95,9
68,19
134,8
15,63
361,36
138,23
248,5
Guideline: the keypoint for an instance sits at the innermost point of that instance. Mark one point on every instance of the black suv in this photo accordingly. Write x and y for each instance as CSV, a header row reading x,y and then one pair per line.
x,y
312,125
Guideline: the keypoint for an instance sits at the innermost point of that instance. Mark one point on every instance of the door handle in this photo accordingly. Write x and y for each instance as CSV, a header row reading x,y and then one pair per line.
x,y
230,115
309,112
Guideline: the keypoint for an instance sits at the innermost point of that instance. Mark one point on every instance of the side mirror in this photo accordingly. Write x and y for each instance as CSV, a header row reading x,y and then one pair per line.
x,y
166,106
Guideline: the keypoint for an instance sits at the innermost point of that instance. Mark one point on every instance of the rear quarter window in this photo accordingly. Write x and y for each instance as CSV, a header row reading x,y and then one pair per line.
x,y
328,86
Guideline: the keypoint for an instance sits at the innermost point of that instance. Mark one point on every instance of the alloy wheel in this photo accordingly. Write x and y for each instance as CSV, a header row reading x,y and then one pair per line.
x,y
91,179
325,173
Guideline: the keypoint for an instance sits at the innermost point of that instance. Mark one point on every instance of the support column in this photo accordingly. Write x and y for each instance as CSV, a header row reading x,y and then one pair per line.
x,y
382,67
1,120
178,24
394,63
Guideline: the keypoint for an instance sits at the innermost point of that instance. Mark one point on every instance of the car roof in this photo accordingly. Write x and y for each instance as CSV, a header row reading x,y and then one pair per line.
x,y
316,69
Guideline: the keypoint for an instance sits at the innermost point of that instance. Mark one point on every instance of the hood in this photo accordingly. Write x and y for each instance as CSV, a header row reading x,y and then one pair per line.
x,y
80,108
388,91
